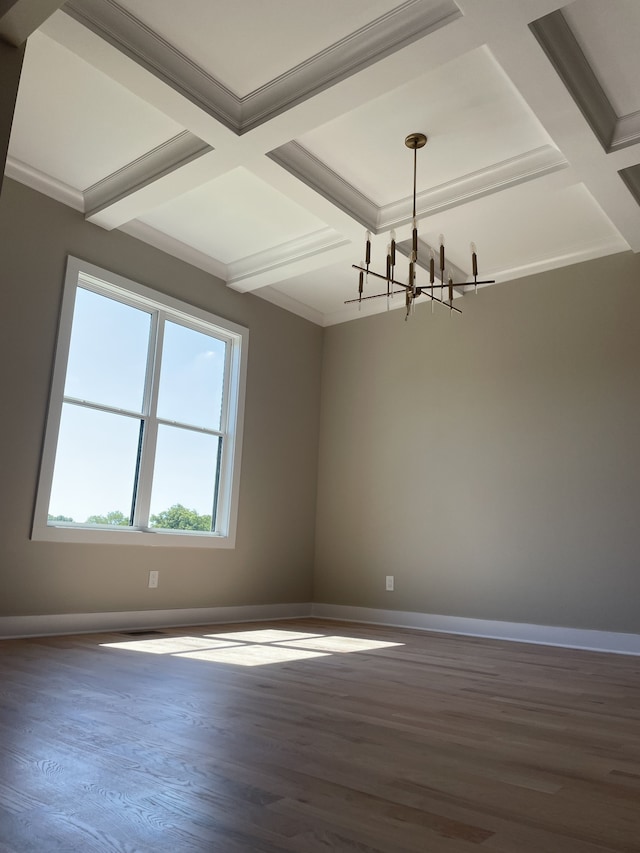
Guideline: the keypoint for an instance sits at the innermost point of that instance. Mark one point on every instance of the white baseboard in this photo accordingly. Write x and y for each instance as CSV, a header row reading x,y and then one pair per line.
x,y
131,620
521,632
12,627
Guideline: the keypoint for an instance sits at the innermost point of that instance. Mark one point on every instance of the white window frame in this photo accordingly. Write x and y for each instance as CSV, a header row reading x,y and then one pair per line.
x,y
80,273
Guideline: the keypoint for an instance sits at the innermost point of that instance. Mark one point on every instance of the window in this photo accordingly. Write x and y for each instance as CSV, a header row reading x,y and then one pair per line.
x,y
144,430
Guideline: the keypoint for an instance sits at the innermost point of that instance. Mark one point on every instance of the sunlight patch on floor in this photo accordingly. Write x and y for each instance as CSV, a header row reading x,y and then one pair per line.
x,y
340,644
168,645
263,636
252,655
254,647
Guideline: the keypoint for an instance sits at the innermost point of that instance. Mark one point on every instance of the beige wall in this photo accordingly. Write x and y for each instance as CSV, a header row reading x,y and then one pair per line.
x,y
515,496
491,461
273,558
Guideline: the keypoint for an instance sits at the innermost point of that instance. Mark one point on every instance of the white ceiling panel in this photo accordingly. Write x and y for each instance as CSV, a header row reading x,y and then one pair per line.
x,y
123,114
245,45
552,230
609,35
468,108
233,217
74,123
560,225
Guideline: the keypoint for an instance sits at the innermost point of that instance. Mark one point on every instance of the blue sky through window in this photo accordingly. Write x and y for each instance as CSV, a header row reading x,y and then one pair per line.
x,y
97,450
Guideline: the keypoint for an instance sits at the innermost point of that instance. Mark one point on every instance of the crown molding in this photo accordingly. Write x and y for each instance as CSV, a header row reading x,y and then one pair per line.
x,y
398,28
282,300
305,166
578,255
43,183
626,132
242,274
175,248
154,164
631,178
556,38
407,23
499,176
511,172
131,37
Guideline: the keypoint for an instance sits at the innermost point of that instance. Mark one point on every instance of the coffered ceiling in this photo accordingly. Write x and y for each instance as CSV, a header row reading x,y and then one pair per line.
x,y
258,140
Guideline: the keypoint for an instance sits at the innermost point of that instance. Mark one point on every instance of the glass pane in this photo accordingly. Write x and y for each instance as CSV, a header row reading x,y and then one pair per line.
x,y
191,377
185,479
95,468
108,352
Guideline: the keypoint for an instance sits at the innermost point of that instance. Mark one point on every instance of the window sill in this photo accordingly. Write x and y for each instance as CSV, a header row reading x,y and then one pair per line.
x,y
155,538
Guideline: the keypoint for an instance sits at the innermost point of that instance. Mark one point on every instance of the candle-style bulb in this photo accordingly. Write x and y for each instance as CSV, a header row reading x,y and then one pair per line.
x,y
474,261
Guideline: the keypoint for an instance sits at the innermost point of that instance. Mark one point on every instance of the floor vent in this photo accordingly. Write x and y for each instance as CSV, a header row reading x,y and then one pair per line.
x,y
142,633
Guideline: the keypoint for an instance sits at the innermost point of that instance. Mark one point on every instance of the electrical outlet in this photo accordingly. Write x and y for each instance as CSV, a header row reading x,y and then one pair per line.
x,y
389,583
153,580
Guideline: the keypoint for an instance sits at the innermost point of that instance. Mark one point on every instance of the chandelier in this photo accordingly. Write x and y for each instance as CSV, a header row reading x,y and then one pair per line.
x,y
441,283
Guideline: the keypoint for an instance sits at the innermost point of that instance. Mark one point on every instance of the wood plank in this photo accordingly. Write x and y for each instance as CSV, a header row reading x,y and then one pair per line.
x,y
437,743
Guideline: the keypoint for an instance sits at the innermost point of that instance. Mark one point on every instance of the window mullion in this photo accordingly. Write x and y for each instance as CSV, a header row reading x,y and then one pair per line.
x,y
150,437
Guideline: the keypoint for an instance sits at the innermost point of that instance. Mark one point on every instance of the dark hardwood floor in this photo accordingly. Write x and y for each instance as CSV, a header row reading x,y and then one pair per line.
x,y
236,744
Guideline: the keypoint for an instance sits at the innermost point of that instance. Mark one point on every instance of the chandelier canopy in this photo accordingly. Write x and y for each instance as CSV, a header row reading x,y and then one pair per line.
x,y
411,289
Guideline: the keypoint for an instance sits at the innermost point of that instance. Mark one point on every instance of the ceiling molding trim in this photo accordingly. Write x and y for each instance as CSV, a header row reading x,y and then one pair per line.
x,y
43,183
508,173
609,246
631,178
154,164
556,38
627,131
407,23
315,174
175,248
241,272
282,300
130,36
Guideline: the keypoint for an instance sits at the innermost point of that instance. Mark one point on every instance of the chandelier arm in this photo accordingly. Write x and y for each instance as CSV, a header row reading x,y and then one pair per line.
x,y
373,296
424,289
422,292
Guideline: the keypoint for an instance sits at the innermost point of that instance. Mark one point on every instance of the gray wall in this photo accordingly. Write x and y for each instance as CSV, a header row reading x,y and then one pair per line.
x,y
274,555
490,461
